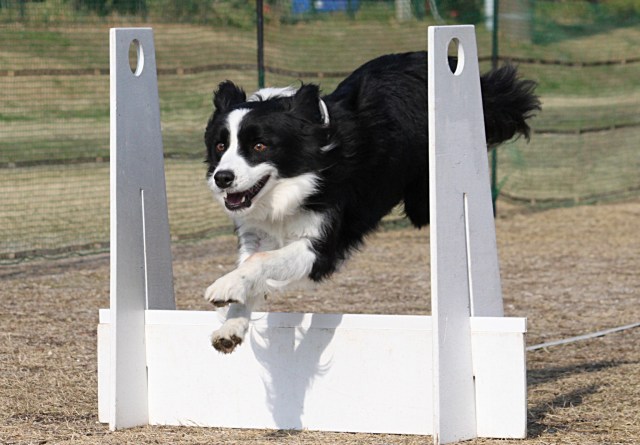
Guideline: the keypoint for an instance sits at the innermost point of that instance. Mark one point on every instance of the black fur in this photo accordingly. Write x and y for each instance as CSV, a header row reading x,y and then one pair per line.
x,y
507,102
374,154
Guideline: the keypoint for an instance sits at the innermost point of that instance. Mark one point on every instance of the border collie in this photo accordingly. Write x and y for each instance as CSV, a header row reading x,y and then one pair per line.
x,y
306,177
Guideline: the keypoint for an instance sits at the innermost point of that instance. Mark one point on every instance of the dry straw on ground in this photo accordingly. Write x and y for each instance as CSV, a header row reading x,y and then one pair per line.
x,y
570,271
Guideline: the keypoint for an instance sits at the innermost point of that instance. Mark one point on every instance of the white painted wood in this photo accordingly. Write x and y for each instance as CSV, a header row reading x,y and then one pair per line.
x,y
458,375
499,366
141,271
329,372
465,278
507,325
354,373
104,364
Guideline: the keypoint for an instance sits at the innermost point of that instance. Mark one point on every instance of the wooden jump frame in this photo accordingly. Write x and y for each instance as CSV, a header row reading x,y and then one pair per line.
x,y
455,375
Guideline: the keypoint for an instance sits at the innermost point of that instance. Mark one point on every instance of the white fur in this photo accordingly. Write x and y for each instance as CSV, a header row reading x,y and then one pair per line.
x,y
255,236
324,111
272,93
243,285
328,147
245,175
288,194
279,198
234,328
258,275
275,237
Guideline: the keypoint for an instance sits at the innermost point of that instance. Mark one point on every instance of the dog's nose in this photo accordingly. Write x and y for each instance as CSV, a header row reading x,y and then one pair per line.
x,y
224,178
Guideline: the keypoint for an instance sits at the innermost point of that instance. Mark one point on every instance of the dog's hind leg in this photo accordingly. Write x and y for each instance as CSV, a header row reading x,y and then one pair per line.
x,y
416,201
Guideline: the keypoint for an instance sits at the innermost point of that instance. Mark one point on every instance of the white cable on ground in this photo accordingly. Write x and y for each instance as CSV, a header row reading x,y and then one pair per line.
x,y
583,337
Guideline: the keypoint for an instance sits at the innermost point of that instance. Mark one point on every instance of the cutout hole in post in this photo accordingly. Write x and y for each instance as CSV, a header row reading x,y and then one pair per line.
x,y
455,49
136,57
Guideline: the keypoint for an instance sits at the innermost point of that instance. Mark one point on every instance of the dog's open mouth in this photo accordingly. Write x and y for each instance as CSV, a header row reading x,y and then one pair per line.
x,y
242,200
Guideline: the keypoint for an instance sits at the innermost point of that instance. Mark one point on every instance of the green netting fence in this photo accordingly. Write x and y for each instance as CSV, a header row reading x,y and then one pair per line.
x,y
54,96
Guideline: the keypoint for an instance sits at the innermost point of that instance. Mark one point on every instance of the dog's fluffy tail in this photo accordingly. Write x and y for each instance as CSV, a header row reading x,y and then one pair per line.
x,y
508,102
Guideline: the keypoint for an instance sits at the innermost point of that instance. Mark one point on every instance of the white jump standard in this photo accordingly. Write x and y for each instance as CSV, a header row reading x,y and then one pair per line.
x,y
456,375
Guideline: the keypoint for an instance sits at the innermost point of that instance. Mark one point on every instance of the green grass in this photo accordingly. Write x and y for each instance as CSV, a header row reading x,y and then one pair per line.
x,y
558,21
571,168
38,109
58,118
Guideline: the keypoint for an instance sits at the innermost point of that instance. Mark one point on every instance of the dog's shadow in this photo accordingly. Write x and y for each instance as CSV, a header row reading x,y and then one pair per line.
x,y
292,359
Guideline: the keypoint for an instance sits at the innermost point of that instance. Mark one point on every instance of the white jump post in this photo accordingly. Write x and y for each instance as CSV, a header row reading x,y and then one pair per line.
x,y
465,276
141,270
456,375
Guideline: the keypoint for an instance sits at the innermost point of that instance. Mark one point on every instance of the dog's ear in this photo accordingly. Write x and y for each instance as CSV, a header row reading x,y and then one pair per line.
x,y
306,103
227,95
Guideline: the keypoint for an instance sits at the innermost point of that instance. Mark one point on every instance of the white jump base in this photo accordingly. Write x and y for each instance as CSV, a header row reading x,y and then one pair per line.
x,y
456,375
326,372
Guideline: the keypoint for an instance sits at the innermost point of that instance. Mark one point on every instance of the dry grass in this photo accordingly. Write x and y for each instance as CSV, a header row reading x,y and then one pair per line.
x,y
569,271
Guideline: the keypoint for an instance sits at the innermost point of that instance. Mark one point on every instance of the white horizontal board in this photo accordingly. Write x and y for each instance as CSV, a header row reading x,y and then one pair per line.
x,y
353,321
499,367
498,324
329,372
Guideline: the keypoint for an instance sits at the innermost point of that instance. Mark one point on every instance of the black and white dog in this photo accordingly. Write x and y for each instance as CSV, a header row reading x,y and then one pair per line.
x,y
305,178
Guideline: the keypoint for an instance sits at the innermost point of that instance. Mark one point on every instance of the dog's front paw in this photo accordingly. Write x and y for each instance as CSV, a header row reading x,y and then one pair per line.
x,y
230,335
230,288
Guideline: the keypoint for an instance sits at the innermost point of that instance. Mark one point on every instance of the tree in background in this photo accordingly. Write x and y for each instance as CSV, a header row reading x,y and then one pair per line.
x,y
106,7
462,11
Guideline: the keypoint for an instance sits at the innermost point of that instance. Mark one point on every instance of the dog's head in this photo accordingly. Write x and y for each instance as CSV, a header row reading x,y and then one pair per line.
x,y
263,152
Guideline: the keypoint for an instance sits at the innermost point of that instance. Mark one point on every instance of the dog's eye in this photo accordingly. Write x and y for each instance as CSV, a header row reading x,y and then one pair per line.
x,y
260,147
220,147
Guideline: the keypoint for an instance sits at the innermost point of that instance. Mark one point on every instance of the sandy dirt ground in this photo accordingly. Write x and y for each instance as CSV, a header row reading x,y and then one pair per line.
x,y
569,271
